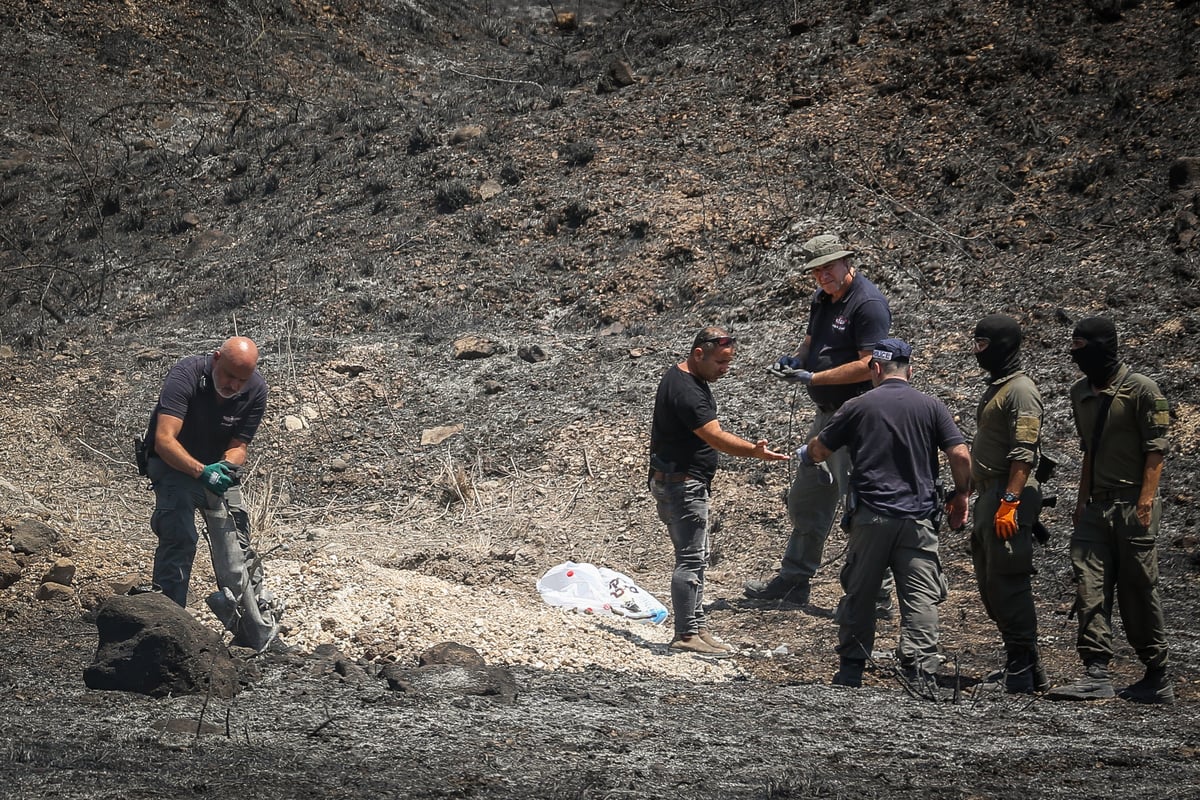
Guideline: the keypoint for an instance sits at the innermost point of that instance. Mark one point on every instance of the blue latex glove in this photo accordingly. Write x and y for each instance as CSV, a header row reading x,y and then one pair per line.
x,y
803,456
791,369
216,478
789,362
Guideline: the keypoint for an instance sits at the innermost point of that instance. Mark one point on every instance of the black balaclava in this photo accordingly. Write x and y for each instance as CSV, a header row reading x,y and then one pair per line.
x,y
1003,354
1098,358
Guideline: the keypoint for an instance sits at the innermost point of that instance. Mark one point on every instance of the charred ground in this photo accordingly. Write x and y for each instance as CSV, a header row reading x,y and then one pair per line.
x,y
357,185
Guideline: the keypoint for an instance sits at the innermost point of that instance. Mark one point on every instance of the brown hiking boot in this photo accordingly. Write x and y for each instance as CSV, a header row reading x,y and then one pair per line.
x,y
716,641
692,643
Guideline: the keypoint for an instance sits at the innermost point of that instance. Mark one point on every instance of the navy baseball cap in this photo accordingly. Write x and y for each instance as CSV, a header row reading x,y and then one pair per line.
x,y
892,350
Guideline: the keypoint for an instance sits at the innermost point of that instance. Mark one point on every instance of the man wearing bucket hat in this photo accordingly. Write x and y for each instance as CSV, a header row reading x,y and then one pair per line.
x,y
893,434
847,317
1121,417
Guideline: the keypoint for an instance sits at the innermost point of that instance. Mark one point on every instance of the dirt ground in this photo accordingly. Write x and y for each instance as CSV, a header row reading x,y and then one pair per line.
x,y
359,185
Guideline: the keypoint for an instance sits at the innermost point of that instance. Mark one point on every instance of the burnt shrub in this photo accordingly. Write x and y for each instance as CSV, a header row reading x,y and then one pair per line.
x,y
450,196
578,154
420,139
484,229
238,190
577,213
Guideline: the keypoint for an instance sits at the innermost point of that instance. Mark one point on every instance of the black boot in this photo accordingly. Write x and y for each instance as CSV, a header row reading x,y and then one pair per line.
x,y
779,588
850,672
1096,684
1155,687
1018,671
1041,684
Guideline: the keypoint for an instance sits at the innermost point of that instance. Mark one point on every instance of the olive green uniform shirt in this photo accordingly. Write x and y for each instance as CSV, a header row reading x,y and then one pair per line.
x,y
1008,427
1136,424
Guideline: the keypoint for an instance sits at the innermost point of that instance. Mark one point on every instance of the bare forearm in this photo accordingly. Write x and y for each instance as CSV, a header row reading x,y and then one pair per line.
x,y
1151,475
176,457
959,457
851,372
1018,476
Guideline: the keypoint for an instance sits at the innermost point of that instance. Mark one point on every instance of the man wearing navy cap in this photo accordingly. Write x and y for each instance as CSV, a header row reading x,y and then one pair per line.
x,y
893,434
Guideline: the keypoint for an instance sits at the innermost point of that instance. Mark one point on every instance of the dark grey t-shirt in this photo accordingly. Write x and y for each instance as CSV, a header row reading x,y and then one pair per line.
x,y
209,423
894,434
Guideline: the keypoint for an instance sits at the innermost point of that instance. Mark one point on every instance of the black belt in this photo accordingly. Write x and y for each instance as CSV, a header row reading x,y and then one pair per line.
x,y
670,477
1129,494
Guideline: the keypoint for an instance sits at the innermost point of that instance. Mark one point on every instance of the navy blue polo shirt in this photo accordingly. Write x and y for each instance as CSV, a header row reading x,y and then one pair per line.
x,y
840,331
209,423
894,433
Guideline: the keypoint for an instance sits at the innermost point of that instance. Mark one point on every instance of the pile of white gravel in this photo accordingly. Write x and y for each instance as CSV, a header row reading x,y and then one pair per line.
x,y
375,612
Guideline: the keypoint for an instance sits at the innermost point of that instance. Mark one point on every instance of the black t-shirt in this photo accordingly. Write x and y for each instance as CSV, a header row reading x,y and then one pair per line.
x,y
682,404
208,425
894,433
840,331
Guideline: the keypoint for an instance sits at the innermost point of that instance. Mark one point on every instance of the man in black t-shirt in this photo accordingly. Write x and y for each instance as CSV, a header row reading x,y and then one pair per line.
x,y
847,317
893,433
208,411
685,437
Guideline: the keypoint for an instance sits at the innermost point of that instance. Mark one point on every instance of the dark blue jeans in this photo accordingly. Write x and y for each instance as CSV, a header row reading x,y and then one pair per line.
x,y
683,508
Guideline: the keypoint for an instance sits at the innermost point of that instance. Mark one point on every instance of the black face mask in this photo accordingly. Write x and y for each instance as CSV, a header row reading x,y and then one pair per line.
x,y
1003,353
1097,359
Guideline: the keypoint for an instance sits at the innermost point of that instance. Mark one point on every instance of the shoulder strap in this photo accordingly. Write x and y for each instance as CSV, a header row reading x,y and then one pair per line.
x,y
1106,401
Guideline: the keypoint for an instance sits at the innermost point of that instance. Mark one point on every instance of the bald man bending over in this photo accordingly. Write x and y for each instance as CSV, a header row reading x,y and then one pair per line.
x,y
207,413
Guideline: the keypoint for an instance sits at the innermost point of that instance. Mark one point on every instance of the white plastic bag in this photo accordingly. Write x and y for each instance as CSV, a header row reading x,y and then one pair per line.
x,y
597,590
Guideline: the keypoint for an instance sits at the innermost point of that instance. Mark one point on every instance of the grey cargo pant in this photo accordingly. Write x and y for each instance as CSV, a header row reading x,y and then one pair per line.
x,y
237,567
910,548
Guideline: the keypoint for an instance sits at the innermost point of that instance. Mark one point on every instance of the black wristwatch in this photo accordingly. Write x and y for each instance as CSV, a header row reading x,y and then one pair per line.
x,y
1009,497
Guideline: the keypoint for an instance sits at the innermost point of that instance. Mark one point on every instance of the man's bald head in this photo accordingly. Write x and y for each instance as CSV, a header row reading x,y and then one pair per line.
x,y
234,365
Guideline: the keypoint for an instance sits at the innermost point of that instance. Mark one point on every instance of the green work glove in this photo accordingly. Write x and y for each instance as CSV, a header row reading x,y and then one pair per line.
x,y
216,478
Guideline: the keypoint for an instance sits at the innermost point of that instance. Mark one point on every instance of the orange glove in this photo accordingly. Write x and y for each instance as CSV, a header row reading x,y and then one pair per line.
x,y
1005,522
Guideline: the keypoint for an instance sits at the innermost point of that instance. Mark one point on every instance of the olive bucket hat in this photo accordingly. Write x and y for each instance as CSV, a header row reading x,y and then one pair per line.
x,y
819,251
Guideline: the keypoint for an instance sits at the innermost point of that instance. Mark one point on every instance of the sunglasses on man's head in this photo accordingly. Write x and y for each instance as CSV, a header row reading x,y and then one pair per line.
x,y
722,341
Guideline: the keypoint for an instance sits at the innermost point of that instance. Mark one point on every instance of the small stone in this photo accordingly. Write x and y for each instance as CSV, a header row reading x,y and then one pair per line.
x,y
472,347
532,353
54,592
33,537
293,423
62,572
10,569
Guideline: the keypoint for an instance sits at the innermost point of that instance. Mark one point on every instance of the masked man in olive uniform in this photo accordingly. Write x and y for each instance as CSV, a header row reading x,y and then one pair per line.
x,y
1122,419
1003,454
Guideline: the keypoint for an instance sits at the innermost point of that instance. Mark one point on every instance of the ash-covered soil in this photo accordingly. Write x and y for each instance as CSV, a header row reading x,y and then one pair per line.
x,y
359,185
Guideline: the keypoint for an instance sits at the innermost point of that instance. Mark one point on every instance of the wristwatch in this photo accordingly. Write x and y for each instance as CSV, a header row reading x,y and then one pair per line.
x,y
1009,497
